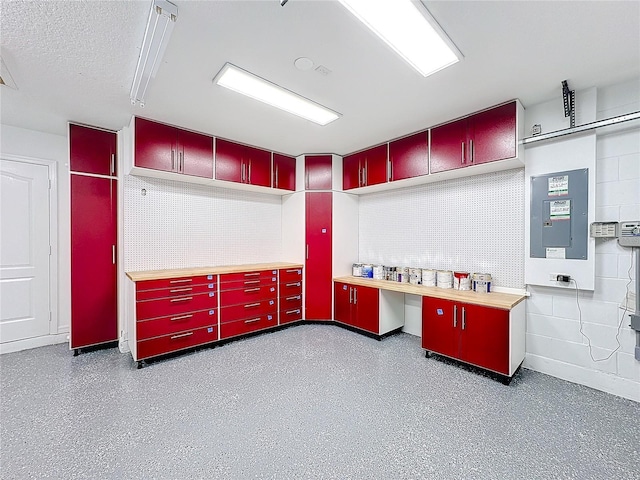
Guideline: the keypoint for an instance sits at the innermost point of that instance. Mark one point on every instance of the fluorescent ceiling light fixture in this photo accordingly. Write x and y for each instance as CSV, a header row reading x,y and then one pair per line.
x,y
248,84
410,30
162,18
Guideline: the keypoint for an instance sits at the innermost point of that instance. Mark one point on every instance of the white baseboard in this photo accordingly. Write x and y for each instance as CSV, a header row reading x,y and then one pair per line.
x,y
602,381
18,345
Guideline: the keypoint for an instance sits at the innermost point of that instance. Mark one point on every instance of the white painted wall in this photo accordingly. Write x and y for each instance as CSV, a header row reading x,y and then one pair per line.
x,y
45,146
554,343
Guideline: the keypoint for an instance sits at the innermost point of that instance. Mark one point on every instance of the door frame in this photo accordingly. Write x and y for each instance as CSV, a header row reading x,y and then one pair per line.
x,y
53,256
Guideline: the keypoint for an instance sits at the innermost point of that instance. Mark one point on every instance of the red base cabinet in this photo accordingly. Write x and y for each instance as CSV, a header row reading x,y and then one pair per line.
x,y
357,306
290,295
486,337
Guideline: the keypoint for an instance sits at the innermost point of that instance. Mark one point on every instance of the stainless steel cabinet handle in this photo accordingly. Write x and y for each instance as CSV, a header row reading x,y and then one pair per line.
x,y
471,150
464,318
251,305
350,295
182,317
251,290
113,164
355,295
364,174
181,162
183,299
249,170
296,297
253,320
182,335
390,170
113,254
185,280
462,155
307,251
296,284
296,270
306,182
172,160
251,274
251,282
276,176
455,315
290,312
188,289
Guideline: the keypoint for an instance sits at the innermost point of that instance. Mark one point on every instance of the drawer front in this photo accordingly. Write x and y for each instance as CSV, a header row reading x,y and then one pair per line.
x,y
290,288
288,315
290,275
249,283
262,275
176,323
241,327
176,291
175,282
165,307
171,343
291,301
249,310
247,295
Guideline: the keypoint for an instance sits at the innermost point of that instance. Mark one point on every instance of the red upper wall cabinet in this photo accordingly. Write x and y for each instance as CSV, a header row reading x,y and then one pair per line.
x,y
242,164
170,149
284,172
365,168
92,150
484,137
318,172
408,156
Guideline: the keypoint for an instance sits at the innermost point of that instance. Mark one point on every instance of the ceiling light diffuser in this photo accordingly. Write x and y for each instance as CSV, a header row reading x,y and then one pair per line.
x,y
251,85
160,24
410,30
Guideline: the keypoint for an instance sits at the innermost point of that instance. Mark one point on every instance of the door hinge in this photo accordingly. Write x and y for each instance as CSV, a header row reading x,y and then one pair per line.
x,y
50,250
49,184
49,317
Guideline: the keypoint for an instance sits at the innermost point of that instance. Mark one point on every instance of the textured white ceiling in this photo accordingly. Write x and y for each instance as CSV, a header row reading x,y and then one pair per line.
x,y
74,60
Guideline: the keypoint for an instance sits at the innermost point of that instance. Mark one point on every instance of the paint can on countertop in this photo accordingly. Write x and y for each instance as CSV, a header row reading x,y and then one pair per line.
x,y
356,270
367,271
378,272
461,281
415,276
428,277
482,282
444,279
403,274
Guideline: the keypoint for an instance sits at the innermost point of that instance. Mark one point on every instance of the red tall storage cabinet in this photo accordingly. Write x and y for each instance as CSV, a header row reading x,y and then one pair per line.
x,y
318,286
94,220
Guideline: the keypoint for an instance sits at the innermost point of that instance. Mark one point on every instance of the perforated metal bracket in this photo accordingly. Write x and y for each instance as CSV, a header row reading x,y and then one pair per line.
x,y
569,98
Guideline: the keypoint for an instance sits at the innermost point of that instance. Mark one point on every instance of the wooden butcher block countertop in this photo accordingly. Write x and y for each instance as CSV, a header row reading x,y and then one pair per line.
x,y
189,272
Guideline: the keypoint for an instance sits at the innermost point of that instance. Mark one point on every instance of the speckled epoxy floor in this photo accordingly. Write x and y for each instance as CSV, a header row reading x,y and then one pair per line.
x,y
313,401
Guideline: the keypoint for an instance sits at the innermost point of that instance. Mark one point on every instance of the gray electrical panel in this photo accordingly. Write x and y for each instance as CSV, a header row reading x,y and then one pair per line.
x,y
559,220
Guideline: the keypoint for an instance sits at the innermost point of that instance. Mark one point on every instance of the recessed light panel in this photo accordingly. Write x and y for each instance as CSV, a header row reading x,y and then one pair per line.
x,y
251,85
410,30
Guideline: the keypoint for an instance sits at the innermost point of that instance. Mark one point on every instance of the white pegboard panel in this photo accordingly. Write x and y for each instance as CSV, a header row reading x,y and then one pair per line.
x,y
179,225
472,224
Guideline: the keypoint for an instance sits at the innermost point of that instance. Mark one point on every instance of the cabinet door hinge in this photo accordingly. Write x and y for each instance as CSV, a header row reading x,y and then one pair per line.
x,y
49,184
50,250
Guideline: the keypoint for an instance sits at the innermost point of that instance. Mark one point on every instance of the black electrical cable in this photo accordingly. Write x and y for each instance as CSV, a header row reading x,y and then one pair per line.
x,y
624,313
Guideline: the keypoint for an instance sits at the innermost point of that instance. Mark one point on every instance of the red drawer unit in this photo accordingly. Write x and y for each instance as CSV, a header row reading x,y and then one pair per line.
x,y
289,315
175,282
176,291
174,324
247,295
263,275
240,312
290,275
178,341
242,327
163,307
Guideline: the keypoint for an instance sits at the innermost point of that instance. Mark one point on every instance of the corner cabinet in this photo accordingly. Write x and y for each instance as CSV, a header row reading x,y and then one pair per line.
x,y
171,149
487,337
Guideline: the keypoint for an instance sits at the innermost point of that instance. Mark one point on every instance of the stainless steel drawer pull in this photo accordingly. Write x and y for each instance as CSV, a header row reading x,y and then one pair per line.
x,y
182,335
253,320
251,274
186,280
181,317
291,312
455,315
296,284
296,270
251,290
251,305
464,318
251,282
188,289
296,297
183,299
